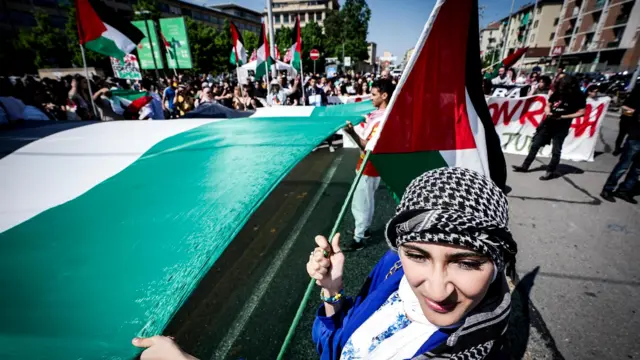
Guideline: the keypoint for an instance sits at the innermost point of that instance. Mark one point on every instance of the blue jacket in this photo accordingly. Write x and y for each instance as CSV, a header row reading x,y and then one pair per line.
x,y
330,334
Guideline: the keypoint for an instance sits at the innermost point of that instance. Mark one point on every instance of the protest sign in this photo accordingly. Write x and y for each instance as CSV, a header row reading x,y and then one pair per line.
x,y
176,42
516,121
129,69
145,55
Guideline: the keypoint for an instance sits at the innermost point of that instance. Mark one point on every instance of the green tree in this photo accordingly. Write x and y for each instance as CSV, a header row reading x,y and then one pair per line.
x,y
43,43
334,35
222,50
283,39
492,54
202,46
146,5
356,15
250,42
312,38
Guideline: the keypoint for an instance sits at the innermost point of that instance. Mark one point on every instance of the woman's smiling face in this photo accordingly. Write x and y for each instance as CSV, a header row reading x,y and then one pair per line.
x,y
448,280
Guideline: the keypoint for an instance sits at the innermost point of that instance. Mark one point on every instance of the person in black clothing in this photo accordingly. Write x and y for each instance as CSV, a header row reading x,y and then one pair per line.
x,y
630,158
564,105
626,120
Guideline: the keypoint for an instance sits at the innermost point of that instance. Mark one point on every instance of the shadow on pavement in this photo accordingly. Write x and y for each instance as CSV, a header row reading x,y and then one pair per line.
x,y
524,317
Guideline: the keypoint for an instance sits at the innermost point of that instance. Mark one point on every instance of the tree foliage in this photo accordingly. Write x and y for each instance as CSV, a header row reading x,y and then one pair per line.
x,y
312,38
250,42
146,5
283,39
349,28
43,43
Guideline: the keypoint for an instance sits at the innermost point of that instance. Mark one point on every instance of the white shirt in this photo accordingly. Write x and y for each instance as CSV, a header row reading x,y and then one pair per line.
x,y
395,331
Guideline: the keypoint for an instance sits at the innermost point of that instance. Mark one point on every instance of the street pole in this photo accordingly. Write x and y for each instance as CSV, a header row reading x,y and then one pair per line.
x,y
86,73
146,13
314,67
506,33
272,47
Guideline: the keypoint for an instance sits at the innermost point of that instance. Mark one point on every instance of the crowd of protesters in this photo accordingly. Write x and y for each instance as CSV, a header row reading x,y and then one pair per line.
x,y
70,98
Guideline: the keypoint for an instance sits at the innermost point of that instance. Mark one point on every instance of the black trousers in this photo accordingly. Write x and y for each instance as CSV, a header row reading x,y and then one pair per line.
x,y
551,131
625,121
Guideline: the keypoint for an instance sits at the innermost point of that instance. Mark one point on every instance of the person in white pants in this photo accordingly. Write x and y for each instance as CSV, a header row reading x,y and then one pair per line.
x,y
363,204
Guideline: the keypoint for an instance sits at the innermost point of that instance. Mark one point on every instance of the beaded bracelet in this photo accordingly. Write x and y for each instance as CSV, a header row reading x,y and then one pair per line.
x,y
333,299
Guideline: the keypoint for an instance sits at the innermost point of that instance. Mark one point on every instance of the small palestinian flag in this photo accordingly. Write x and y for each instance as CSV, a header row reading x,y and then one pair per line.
x,y
238,53
509,61
438,116
296,48
168,47
102,30
264,60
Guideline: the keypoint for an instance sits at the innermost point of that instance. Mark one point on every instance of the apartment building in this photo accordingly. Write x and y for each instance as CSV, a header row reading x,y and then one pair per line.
x,y
372,49
491,38
285,11
533,26
16,14
598,35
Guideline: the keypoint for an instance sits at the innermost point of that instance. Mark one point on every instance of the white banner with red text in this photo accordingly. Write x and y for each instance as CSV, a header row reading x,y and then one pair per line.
x,y
516,121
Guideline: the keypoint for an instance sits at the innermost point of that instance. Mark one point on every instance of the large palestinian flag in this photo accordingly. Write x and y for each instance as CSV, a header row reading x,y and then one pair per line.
x,y
438,115
238,52
107,227
296,48
264,61
102,30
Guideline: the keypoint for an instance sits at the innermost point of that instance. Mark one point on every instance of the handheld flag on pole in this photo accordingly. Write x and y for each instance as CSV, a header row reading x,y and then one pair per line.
x,y
509,61
438,115
167,46
238,53
296,48
102,30
264,60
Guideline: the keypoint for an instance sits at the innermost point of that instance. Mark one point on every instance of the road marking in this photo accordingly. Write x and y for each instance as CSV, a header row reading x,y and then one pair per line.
x,y
241,320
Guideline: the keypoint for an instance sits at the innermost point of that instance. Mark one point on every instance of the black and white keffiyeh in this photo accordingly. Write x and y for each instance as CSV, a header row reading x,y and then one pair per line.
x,y
455,206
461,207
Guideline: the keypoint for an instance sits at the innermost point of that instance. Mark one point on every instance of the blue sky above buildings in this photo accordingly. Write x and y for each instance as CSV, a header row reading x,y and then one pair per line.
x,y
396,24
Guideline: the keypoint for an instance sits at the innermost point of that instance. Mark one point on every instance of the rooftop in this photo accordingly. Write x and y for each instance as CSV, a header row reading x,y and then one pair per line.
x,y
228,6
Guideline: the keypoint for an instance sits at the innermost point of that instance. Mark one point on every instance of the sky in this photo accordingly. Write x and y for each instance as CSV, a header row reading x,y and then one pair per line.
x,y
396,24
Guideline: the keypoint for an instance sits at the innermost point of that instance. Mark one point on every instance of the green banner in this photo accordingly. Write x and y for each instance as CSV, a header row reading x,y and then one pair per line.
x,y
176,43
145,56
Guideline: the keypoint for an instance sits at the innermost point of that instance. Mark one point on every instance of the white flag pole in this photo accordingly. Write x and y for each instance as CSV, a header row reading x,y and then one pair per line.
x,y
86,73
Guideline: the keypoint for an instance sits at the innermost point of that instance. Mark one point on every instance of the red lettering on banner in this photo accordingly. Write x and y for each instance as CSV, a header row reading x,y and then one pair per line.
x,y
531,115
580,125
502,111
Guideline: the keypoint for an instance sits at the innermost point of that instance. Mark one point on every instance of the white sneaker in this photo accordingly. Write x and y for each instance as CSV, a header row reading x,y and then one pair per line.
x,y
332,149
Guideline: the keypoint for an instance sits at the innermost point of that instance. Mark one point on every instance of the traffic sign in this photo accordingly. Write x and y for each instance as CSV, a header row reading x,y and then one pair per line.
x,y
314,54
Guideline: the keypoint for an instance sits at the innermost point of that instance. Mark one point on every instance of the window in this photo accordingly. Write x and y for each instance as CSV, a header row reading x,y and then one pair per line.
x,y
531,39
556,21
163,7
276,19
174,10
552,36
540,10
293,18
535,24
186,12
318,16
285,19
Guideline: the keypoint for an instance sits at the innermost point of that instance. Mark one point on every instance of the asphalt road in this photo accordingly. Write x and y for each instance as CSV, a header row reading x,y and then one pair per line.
x,y
577,296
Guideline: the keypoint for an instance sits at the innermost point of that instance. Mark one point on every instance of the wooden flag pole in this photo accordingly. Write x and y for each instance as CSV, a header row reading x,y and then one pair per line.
x,y
86,73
